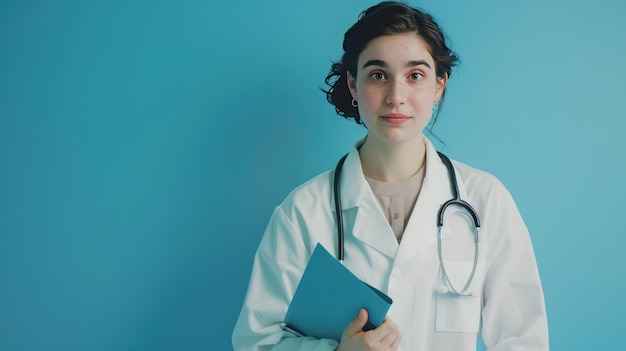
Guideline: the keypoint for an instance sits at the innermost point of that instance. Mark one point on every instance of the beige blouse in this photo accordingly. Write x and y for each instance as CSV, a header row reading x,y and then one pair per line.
x,y
397,200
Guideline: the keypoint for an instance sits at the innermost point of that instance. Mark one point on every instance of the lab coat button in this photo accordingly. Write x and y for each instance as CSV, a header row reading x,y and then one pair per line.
x,y
395,273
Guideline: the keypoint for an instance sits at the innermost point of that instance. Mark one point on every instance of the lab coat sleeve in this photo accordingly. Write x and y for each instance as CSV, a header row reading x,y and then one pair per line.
x,y
514,314
278,265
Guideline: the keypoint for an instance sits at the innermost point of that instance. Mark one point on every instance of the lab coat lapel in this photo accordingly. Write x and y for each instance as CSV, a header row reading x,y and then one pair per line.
x,y
363,218
421,230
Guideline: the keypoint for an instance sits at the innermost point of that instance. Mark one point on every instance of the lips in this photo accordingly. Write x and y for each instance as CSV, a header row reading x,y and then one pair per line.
x,y
395,118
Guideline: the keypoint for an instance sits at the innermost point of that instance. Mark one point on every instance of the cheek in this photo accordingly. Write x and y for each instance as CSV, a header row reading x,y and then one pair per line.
x,y
368,98
422,103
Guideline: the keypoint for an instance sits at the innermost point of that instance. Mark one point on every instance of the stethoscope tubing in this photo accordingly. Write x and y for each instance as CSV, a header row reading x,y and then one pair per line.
x,y
456,200
338,209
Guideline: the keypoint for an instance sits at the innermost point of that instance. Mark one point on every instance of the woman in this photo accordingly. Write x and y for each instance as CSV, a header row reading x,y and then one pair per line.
x,y
392,78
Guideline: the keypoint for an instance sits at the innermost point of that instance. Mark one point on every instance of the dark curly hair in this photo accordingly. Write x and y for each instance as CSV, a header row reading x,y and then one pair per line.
x,y
386,18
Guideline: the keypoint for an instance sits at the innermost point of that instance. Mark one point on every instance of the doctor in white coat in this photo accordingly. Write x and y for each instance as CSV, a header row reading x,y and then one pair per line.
x,y
391,78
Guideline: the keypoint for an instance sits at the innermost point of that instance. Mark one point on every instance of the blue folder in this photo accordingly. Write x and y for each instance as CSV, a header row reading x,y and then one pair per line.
x,y
328,298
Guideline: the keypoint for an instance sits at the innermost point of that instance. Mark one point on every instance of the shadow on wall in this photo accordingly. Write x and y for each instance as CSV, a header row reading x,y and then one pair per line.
x,y
256,138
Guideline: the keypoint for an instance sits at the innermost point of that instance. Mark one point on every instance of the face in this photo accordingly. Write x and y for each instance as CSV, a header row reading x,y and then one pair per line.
x,y
395,86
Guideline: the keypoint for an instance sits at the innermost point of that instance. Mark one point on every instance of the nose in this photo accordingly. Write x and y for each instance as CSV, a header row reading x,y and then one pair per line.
x,y
396,93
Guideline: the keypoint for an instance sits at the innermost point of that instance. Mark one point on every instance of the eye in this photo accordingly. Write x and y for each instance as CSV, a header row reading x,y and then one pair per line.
x,y
415,76
377,76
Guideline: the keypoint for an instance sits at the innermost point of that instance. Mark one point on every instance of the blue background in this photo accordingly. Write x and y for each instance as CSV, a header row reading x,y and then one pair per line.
x,y
144,145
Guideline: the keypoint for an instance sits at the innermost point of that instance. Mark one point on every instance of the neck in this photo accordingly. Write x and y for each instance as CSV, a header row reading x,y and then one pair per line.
x,y
387,162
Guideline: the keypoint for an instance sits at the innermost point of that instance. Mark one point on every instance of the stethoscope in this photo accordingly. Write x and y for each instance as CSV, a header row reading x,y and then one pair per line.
x,y
456,200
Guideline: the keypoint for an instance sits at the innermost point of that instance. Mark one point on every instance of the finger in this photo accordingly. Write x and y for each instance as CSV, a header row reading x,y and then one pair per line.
x,y
382,330
396,343
357,323
386,333
393,337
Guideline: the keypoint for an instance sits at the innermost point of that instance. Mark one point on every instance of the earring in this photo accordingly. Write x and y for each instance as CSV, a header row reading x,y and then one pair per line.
x,y
354,103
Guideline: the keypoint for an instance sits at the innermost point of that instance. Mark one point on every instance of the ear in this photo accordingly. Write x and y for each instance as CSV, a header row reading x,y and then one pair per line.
x,y
351,85
441,86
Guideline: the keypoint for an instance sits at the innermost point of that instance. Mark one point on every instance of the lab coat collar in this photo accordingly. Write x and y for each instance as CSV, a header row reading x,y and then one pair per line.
x,y
353,183
421,230
370,225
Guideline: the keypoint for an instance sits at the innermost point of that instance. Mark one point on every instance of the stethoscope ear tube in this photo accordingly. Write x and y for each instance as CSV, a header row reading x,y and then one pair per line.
x,y
338,209
461,203
456,198
453,290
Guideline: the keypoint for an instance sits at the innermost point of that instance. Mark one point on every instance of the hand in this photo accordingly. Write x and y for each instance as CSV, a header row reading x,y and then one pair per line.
x,y
384,338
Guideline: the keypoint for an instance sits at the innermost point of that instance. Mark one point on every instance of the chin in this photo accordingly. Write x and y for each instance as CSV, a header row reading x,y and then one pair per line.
x,y
403,138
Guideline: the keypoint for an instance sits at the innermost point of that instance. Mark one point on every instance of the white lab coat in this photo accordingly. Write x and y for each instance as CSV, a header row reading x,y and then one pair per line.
x,y
507,304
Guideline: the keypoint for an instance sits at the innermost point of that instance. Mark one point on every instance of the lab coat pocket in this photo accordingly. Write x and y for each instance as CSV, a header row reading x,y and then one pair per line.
x,y
459,313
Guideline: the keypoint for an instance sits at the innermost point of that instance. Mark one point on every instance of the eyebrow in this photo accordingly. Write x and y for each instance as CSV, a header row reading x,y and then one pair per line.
x,y
384,64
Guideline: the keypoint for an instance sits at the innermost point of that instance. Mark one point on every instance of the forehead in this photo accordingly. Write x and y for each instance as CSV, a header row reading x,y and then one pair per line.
x,y
396,48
